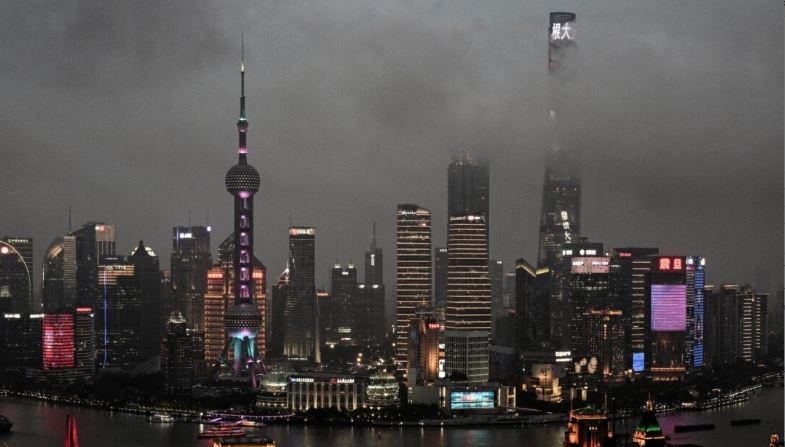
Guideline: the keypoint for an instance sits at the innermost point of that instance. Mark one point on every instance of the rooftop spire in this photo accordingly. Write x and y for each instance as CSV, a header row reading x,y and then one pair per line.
x,y
373,236
242,123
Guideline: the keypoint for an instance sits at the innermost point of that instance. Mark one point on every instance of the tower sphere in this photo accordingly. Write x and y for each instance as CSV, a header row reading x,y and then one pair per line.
x,y
242,177
242,320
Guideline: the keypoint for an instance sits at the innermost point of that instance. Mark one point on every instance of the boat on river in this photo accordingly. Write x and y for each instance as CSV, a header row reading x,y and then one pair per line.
x,y
738,422
693,427
161,417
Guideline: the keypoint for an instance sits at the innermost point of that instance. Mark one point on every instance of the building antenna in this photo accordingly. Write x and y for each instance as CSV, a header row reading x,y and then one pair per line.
x,y
208,217
189,217
69,219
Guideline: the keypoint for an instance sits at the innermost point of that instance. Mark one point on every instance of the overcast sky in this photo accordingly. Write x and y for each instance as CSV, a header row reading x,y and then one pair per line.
x,y
126,111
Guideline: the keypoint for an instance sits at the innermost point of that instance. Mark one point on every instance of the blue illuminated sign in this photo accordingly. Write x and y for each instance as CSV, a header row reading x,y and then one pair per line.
x,y
638,362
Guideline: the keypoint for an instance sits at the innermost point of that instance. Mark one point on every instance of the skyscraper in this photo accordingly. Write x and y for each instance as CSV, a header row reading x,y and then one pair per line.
x,y
177,360
467,186
496,272
440,261
346,312
675,317
58,284
242,319
87,294
190,260
148,276
118,314
468,314
16,279
24,246
373,325
413,272
629,269
302,331
561,192
277,324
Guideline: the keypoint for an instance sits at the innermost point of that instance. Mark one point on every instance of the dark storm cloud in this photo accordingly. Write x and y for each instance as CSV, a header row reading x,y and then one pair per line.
x,y
125,110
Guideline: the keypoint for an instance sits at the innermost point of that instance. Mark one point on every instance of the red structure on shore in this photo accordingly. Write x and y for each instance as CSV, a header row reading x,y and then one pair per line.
x,y
71,437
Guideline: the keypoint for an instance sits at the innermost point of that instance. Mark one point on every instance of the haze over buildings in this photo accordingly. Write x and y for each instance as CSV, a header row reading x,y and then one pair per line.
x,y
676,115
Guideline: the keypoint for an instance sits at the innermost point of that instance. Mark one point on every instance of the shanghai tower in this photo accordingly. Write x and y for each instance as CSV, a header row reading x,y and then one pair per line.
x,y
561,193
242,319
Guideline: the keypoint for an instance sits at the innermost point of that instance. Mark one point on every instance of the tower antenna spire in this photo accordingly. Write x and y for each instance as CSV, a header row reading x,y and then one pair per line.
x,y
242,123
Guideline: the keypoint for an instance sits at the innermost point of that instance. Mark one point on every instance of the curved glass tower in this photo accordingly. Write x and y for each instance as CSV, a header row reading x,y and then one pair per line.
x,y
242,319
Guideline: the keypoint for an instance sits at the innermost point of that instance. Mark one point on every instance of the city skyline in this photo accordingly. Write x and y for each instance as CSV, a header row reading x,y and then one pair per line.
x,y
681,146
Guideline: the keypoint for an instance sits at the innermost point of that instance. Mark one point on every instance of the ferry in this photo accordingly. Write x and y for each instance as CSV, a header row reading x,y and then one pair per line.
x,y
745,422
250,423
161,417
222,431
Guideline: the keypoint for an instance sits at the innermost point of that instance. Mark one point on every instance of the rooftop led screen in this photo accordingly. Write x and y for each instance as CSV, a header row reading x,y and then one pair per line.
x,y
668,307
472,400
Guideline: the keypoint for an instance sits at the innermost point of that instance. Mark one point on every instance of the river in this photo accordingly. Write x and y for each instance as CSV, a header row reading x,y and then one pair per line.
x,y
42,424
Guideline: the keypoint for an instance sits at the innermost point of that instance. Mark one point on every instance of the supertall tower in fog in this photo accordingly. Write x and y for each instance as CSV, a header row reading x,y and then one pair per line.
x,y
242,319
561,193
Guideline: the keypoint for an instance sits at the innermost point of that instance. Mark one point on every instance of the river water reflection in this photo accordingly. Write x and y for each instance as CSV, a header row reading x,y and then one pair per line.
x,y
40,424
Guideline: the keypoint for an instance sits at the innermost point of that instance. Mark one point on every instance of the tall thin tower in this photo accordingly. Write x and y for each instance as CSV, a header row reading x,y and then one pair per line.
x,y
242,319
561,192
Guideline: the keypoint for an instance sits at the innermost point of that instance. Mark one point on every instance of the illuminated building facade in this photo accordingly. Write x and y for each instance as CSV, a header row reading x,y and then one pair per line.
x,y
57,343
588,290
648,433
603,339
325,390
58,288
302,330
23,246
216,299
630,267
588,427
242,319
177,360
190,261
16,279
676,315
382,390
413,273
468,297
753,309
423,346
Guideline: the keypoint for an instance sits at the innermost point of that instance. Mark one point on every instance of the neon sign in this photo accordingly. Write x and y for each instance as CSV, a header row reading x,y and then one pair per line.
x,y
561,31
671,264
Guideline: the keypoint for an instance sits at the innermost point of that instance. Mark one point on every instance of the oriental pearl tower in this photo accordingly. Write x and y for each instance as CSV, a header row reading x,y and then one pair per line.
x,y
242,319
